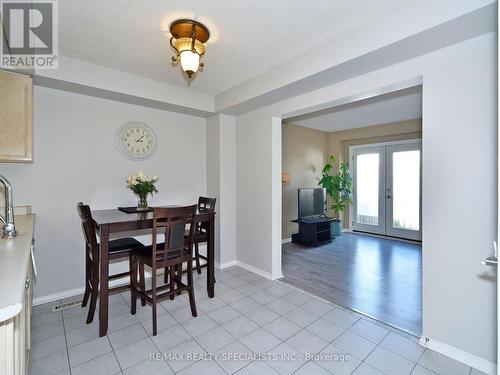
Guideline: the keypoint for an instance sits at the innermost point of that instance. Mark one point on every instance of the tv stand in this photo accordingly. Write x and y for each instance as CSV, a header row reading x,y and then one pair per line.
x,y
313,231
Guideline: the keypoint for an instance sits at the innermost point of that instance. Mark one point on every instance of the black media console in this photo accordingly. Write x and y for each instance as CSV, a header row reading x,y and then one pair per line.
x,y
313,231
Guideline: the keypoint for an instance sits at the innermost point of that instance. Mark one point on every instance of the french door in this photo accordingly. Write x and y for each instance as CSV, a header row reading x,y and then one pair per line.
x,y
387,189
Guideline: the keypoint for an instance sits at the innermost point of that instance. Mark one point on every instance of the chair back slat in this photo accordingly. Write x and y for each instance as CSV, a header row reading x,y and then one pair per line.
x,y
173,223
205,205
88,226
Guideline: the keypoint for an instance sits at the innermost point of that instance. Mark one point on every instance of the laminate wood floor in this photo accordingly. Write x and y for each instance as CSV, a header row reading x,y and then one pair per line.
x,y
379,277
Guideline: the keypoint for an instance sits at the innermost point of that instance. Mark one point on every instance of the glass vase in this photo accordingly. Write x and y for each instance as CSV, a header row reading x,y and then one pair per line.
x,y
142,203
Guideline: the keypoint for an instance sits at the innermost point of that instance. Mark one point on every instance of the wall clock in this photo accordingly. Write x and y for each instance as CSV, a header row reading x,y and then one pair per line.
x,y
136,140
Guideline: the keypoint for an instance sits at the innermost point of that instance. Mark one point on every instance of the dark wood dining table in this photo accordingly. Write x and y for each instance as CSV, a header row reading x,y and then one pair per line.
x,y
115,221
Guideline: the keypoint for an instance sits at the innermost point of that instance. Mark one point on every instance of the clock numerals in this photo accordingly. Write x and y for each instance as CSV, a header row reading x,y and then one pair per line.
x,y
136,141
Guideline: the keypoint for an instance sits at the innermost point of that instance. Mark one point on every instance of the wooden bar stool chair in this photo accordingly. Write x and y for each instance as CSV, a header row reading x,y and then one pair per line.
x,y
177,249
118,249
205,205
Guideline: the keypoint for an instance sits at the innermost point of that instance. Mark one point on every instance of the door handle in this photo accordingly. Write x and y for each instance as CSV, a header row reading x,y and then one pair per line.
x,y
490,261
389,196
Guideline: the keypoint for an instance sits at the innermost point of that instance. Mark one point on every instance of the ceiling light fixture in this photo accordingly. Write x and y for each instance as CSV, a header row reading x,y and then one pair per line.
x,y
188,38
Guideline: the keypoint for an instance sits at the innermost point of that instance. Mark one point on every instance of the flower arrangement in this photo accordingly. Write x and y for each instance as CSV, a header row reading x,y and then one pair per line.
x,y
142,185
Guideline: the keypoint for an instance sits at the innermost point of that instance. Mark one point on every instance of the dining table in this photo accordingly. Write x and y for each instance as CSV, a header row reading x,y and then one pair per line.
x,y
113,221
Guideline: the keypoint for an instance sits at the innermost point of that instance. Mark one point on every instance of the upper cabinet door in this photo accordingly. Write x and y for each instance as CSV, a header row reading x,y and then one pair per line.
x,y
16,118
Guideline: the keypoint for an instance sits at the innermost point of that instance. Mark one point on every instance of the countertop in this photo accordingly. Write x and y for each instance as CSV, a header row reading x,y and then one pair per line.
x,y
14,263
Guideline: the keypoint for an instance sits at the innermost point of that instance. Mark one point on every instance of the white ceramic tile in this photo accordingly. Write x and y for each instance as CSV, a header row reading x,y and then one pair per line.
x,y
185,355
38,320
369,330
298,299
263,297
50,365
184,314
282,328
170,338
245,305
134,353
341,317
88,350
389,362
337,361
318,307
210,304
171,305
47,331
477,372
442,365
163,322
214,339
311,368
209,367
235,282
248,289
224,314
280,306
257,368
199,325
127,336
419,370
285,359
307,342
149,367
406,348
262,315
240,326
233,357
365,369
230,296
48,346
103,365
260,341
118,322
146,312
325,329
301,317
354,344
280,289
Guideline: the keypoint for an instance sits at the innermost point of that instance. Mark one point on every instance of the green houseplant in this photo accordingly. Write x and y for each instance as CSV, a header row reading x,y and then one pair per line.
x,y
338,187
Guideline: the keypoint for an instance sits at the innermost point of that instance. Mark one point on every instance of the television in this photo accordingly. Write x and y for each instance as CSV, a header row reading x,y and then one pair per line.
x,y
312,202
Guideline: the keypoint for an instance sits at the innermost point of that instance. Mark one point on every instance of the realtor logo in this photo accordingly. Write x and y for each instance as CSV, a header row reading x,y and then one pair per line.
x,y
29,35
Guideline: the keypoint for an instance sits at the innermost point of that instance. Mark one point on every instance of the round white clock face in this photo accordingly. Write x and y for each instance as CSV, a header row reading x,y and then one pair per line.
x,y
136,140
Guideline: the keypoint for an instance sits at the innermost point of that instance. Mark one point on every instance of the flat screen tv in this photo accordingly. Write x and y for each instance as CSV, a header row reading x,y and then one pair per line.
x,y
312,202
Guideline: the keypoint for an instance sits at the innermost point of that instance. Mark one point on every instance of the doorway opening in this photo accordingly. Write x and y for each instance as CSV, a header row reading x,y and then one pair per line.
x,y
380,139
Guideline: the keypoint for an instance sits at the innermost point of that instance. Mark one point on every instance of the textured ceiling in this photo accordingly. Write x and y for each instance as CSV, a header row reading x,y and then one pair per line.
x,y
247,37
384,109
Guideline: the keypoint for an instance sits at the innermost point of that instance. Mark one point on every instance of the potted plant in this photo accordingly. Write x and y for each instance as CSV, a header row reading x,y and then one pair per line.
x,y
338,187
141,186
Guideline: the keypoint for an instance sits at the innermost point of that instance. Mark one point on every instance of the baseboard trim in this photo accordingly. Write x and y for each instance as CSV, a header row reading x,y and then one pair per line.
x,y
286,240
71,293
460,355
221,266
258,271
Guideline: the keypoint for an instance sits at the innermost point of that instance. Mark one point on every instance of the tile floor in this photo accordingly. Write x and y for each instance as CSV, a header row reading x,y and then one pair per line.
x,y
252,326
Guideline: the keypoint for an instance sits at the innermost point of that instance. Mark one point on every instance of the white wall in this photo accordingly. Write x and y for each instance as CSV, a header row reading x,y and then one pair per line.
x,y
459,113
76,160
221,183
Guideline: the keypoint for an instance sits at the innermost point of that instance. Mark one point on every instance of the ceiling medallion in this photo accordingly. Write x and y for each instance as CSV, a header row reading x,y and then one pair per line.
x,y
188,38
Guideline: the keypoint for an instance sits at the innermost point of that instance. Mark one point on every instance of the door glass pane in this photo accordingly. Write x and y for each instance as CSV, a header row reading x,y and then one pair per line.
x,y
367,183
406,189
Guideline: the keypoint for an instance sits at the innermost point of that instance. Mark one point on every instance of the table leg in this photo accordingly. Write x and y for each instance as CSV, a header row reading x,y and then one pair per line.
x,y
103,280
211,257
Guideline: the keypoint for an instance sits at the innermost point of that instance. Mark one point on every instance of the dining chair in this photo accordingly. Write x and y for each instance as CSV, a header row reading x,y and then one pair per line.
x,y
205,205
177,249
118,249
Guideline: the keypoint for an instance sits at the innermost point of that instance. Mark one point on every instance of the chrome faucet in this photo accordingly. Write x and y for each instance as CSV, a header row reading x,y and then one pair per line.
x,y
8,229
